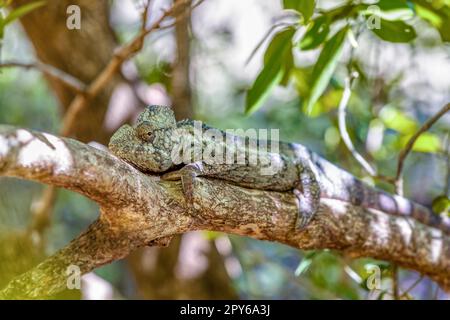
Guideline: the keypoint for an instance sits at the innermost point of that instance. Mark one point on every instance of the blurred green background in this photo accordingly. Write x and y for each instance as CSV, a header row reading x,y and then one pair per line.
x,y
399,86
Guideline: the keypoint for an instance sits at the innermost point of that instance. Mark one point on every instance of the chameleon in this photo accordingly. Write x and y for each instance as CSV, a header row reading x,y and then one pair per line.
x,y
187,149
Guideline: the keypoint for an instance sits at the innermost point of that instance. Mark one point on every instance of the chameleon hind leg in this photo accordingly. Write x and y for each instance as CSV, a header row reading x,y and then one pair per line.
x,y
308,194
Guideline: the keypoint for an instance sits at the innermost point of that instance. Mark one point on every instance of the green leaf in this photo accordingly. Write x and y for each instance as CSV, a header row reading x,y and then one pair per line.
x,y
305,263
267,79
2,26
22,10
325,67
395,31
305,7
429,15
281,42
391,10
427,142
287,66
397,120
441,204
346,11
444,30
301,77
303,266
437,13
316,34
276,62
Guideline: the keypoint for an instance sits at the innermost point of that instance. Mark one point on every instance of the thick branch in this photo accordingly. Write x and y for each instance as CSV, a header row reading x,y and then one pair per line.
x,y
137,208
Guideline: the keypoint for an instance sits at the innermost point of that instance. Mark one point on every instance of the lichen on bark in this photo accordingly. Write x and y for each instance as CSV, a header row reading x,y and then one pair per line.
x,y
137,208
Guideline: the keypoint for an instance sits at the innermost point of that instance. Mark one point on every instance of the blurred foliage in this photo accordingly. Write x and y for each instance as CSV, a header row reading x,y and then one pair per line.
x,y
372,115
30,104
297,90
15,14
385,18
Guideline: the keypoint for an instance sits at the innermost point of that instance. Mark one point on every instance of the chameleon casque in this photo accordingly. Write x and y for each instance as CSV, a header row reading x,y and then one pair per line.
x,y
155,145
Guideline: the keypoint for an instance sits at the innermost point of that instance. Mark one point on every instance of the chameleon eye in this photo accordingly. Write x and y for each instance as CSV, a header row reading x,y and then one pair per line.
x,y
144,131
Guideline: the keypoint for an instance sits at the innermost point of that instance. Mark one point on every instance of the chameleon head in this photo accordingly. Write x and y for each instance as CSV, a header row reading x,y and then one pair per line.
x,y
157,117
148,144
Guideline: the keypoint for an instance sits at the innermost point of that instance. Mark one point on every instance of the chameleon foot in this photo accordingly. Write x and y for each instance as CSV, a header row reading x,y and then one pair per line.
x,y
187,175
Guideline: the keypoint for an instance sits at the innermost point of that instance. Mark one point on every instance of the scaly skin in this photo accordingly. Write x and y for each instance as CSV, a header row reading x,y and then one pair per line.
x,y
158,144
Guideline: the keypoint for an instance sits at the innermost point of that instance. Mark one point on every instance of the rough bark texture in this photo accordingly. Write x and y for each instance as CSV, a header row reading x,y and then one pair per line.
x,y
138,208
160,280
73,52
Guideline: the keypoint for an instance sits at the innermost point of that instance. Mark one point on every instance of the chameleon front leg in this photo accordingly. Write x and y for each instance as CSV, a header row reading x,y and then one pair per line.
x,y
187,175
308,194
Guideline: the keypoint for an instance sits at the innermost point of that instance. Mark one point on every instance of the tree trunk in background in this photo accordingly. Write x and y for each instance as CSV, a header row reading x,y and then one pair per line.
x,y
83,54
159,279
181,89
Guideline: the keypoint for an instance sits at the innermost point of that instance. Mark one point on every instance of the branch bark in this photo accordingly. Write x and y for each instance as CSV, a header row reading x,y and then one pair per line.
x,y
163,279
137,209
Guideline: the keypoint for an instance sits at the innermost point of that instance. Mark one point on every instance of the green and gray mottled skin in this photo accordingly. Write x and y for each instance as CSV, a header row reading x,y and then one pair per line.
x,y
156,142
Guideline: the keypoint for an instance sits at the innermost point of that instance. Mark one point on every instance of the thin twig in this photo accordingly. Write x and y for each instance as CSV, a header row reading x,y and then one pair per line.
x,y
405,293
145,15
405,152
144,18
182,15
83,96
77,85
342,110
263,39
41,210
398,182
447,174
436,292
122,54
395,282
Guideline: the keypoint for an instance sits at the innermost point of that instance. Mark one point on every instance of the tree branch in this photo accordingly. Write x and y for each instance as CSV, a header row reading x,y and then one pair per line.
x,y
65,78
342,111
138,208
427,125
122,54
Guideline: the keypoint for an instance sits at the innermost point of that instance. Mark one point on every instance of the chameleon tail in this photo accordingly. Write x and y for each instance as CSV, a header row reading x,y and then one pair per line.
x,y
360,194
341,185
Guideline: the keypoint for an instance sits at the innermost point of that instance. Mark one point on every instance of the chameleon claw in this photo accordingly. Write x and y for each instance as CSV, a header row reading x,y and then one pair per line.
x,y
305,211
152,143
302,222
187,175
